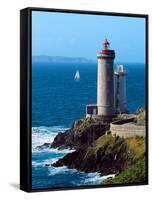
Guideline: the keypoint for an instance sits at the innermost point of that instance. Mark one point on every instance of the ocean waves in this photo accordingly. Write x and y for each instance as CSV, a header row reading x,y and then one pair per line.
x,y
96,178
44,175
43,134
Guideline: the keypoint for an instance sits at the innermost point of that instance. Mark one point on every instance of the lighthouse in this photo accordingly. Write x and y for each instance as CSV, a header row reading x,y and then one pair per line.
x,y
111,87
105,81
120,90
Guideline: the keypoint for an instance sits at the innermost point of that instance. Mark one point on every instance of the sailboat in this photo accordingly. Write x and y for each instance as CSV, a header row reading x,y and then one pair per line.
x,y
77,75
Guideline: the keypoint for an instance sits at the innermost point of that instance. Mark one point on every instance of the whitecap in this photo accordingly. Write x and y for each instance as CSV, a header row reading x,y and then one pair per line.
x,y
43,163
61,170
42,134
95,178
55,151
64,151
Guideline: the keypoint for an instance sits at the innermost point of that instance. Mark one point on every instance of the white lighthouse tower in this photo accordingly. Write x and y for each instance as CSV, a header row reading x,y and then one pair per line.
x,y
120,90
111,87
105,85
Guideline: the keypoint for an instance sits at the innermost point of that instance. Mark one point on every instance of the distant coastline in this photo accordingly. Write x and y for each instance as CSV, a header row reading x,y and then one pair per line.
x,y
61,59
65,59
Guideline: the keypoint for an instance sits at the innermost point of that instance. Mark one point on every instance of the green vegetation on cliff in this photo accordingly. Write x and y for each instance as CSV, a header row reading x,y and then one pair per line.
x,y
140,117
135,172
98,151
109,143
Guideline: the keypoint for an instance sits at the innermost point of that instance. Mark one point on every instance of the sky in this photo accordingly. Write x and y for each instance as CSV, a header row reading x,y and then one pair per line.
x,y
79,35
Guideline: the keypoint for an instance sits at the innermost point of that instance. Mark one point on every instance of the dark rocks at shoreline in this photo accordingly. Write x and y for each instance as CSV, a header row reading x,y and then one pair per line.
x,y
96,150
82,134
107,155
47,165
43,146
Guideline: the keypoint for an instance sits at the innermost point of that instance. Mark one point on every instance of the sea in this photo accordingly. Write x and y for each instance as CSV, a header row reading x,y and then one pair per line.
x,y
57,101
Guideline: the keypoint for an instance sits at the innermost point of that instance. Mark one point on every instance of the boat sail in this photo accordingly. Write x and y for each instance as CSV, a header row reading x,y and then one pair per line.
x,y
77,75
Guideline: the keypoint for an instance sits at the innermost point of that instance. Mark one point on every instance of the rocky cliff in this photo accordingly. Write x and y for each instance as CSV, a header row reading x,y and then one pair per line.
x,y
98,151
82,134
106,155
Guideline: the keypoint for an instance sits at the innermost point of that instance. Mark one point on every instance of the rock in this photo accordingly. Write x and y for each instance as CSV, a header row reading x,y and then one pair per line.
x,y
95,148
100,157
43,146
47,165
81,135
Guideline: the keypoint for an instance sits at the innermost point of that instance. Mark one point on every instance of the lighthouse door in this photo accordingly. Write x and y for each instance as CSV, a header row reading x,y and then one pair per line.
x,y
94,111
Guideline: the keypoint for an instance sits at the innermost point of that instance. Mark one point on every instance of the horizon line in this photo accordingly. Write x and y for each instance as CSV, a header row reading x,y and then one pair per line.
x,y
91,59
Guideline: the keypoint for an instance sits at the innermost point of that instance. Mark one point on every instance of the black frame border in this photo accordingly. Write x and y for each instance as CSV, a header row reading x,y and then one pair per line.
x,y
26,96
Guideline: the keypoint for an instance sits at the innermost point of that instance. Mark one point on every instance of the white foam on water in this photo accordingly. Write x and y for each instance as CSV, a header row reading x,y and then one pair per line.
x,y
41,135
44,162
55,151
60,170
64,151
95,178
56,170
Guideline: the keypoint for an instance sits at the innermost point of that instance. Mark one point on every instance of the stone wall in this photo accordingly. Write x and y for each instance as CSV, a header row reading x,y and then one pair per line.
x,y
127,130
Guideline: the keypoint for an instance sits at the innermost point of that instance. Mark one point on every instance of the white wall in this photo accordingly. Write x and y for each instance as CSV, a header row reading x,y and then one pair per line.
x,y
9,98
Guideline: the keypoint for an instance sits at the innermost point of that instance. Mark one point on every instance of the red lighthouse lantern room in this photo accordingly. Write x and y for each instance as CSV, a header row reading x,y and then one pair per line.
x,y
106,44
106,48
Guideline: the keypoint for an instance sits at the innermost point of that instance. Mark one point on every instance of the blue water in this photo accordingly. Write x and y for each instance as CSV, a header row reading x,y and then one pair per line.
x,y
57,101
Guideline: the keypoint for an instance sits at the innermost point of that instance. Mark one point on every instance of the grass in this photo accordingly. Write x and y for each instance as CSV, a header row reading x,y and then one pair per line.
x,y
99,143
84,124
111,145
137,147
131,149
136,172
141,117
